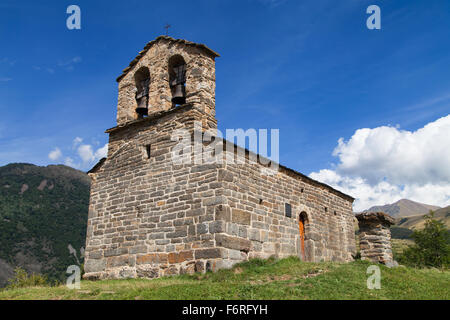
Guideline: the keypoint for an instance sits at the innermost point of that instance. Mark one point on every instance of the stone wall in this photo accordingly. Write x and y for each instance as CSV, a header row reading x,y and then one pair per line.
x,y
200,79
147,216
255,223
375,237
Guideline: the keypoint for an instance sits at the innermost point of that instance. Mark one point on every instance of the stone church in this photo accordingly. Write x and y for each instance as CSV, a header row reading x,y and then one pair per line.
x,y
151,217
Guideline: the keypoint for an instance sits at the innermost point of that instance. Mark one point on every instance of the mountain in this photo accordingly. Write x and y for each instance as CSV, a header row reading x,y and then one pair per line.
x,y
43,211
404,208
417,221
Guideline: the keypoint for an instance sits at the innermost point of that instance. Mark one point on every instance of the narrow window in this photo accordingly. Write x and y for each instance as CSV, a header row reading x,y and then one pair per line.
x,y
177,80
148,149
288,210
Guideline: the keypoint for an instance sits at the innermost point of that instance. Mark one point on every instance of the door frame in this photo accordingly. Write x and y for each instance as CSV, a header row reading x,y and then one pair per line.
x,y
302,222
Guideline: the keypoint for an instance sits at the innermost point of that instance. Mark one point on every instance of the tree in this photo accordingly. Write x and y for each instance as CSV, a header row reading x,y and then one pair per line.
x,y
432,245
22,279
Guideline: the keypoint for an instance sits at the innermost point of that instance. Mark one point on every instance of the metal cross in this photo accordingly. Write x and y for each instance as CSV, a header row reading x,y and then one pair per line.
x,y
167,26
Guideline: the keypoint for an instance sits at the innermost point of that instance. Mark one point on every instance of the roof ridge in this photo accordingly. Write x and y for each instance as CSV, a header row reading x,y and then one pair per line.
x,y
162,37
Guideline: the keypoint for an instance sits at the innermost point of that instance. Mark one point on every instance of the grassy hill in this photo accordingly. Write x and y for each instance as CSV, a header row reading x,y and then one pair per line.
x,y
409,216
417,221
399,245
262,279
404,208
43,210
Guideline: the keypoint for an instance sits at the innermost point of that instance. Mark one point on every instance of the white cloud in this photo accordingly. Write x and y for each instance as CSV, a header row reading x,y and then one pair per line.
x,y
86,153
272,3
102,152
55,154
69,162
8,61
76,141
397,155
385,164
68,65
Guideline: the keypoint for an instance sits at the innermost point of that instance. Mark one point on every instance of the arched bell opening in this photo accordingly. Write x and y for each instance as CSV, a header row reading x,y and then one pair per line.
x,y
177,80
142,81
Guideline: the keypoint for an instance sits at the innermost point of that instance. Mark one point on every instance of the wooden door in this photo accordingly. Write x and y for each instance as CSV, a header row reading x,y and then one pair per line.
x,y
301,227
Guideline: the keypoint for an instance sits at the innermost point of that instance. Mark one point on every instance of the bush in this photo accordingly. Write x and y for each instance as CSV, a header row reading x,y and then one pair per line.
x,y
357,255
22,279
432,245
401,233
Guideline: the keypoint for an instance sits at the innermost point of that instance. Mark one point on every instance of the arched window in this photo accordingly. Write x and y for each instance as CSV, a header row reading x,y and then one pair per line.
x,y
302,222
142,80
177,80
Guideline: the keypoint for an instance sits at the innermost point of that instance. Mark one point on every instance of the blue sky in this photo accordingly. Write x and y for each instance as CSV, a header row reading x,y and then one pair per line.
x,y
310,68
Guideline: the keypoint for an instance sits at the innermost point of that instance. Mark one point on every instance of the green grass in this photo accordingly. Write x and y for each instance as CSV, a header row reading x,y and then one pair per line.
x,y
262,279
399,245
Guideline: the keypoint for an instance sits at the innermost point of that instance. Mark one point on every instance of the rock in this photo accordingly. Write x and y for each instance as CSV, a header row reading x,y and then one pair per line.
x,y
391,264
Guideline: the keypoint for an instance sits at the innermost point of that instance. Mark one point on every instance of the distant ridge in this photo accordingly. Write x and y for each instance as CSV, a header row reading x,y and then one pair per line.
x,y
404,208
43,210
418,222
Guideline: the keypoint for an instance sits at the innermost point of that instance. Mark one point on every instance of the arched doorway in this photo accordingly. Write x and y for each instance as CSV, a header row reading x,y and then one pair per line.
x,y
302,222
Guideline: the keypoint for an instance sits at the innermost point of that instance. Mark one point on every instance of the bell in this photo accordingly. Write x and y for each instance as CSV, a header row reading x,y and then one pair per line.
x,y
179,96
142,112
142,109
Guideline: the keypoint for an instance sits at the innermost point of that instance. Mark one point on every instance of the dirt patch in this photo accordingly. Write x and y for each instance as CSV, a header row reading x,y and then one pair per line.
x,y
23,189
310,274
284,277
314,273
237,270
42,185
287,277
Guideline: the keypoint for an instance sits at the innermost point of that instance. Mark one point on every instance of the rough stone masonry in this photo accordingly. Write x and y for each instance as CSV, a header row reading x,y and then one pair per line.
x,y
150,217
375,237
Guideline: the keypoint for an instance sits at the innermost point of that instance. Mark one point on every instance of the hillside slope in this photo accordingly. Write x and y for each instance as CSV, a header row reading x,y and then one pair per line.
x,y
262,279
404,208
43,210
418,222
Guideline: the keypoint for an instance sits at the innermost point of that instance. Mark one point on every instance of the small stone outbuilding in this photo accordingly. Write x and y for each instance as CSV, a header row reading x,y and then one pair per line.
x,y
375,237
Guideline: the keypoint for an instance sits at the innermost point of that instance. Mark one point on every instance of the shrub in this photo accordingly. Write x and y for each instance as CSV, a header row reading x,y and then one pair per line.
x,y
401,233
357,255
22,279
432,245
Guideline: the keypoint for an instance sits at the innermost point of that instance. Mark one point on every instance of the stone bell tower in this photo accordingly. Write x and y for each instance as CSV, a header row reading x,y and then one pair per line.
x,y
165,74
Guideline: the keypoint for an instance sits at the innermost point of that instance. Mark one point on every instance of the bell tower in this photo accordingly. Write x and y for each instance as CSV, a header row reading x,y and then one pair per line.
x,y
166,74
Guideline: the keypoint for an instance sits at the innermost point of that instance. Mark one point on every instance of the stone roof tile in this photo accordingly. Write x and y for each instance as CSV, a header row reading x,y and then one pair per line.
x,y
374,217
